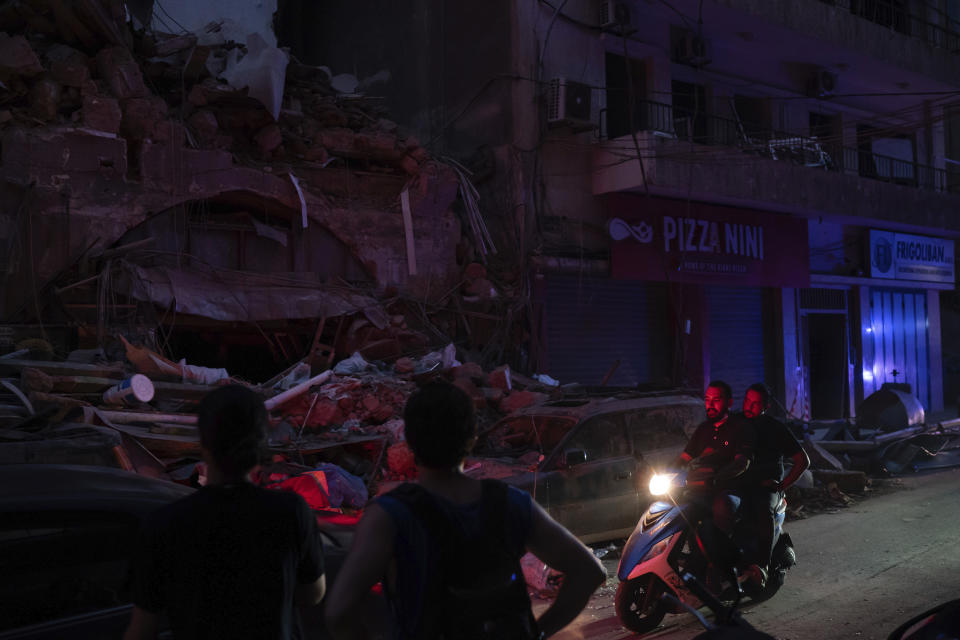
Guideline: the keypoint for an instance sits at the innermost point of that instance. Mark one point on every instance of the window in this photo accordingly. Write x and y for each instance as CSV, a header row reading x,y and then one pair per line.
x,y
656,429
601,437
626,80
826,130
60,564
754,115
888,13
690,111
528,433
952,146
886,156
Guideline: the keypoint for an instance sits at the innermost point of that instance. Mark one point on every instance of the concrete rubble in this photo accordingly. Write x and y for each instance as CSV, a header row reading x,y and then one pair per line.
x,y
349,416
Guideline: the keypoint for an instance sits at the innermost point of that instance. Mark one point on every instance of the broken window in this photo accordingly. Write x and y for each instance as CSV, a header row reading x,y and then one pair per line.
x,y
601,437
524,433
657,429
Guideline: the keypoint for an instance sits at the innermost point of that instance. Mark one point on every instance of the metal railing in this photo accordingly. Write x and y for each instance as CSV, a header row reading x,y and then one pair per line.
x,y
711,130
919,19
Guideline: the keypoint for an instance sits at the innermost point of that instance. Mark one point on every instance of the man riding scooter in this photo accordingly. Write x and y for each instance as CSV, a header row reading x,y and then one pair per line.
x,y
765,479
719,453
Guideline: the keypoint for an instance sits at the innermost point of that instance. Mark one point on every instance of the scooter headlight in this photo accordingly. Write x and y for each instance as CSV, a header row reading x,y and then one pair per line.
x,y
660,483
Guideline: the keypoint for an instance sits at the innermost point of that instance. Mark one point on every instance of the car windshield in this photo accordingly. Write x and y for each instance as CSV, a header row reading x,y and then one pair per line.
x,y
520,434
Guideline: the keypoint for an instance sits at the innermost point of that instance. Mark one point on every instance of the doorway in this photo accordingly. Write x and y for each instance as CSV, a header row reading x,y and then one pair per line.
x,y
827,358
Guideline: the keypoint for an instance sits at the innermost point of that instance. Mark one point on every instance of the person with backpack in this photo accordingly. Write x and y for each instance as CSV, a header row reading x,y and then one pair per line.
x,y
447,548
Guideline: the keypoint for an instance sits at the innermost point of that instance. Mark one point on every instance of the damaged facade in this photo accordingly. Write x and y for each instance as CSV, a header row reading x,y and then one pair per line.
x,y
701,190
604,203
146,195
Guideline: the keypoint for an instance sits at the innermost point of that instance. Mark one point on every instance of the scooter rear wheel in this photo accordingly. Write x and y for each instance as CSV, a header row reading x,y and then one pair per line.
x,y
774,581
638,603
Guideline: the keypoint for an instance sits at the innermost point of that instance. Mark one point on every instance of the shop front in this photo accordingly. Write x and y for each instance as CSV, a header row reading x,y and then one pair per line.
x,y
692,295
900,316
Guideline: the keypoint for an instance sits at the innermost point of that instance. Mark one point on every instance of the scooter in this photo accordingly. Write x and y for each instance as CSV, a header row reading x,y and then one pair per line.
x,y
675,537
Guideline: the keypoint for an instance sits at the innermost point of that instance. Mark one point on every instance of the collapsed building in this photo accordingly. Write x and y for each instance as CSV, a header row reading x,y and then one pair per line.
x,y
194,206
143,194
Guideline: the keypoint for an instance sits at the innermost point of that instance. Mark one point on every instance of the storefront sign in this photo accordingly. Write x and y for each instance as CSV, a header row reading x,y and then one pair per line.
x,y
902,256
660,239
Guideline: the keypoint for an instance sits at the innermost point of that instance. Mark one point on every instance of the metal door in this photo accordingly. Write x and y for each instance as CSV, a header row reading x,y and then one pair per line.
x,y
591,324
737,337
898,350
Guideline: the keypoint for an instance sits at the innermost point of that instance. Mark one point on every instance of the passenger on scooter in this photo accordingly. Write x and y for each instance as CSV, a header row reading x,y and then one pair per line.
x,y
765,479
719,453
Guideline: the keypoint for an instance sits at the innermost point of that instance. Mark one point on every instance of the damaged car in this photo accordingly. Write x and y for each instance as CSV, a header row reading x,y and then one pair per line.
x,y
66,536
588,461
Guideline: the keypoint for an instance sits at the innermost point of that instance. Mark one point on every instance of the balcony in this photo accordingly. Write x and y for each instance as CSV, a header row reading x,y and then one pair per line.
x,y
712,158
715,131
917,19
878,39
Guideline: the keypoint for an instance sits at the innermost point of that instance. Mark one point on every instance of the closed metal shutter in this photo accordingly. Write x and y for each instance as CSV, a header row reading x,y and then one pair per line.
x,y
590,323
737,338
897,342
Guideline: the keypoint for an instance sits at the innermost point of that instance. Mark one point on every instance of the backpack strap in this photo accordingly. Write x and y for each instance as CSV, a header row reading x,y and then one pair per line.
x,y
425,509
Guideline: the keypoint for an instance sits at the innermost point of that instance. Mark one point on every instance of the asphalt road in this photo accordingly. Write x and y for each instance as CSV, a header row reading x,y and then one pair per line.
x,y
862,571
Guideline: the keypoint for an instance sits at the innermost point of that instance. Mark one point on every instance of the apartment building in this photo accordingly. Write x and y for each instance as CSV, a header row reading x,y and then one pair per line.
x,y
752,190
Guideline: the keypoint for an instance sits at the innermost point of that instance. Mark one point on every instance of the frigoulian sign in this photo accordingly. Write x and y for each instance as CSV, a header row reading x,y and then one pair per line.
x,y
903,256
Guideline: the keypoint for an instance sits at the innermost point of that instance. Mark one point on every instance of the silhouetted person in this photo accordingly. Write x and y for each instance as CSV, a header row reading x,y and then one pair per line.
x,y
230,560
447,547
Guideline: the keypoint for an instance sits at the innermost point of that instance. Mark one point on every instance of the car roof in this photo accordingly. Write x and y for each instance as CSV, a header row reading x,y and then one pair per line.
x,y
582,408
57,486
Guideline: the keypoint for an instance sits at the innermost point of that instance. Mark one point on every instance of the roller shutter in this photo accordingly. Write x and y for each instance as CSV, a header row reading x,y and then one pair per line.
x,y
590,323
737,337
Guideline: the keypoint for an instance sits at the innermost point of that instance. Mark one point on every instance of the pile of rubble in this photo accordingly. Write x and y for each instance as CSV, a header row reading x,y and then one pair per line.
x,y
82,65
140,414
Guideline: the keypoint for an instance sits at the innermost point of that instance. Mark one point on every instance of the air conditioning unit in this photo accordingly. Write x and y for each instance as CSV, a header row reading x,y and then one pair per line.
x,y
823,83
568,103
693,50
614,14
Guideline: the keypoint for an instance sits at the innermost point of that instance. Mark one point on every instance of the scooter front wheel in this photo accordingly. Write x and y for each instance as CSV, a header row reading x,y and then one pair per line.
x,y
638,603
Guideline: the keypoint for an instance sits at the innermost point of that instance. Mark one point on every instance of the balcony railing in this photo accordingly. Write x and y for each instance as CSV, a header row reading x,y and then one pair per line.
x,y
716,131
915,18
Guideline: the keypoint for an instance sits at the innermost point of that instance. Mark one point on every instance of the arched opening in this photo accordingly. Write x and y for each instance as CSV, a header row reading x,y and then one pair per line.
x,y
234,282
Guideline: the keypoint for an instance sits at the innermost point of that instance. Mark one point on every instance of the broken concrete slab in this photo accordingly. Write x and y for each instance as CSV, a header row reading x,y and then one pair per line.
x,y
101,113
121,72
68,66
17,57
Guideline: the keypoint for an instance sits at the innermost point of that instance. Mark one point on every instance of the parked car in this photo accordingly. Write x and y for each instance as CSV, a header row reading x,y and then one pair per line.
x,y
66,535
65,538
588,461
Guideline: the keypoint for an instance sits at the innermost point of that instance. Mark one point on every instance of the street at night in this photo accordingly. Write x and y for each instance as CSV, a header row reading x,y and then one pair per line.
x,y
367,319
861,571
